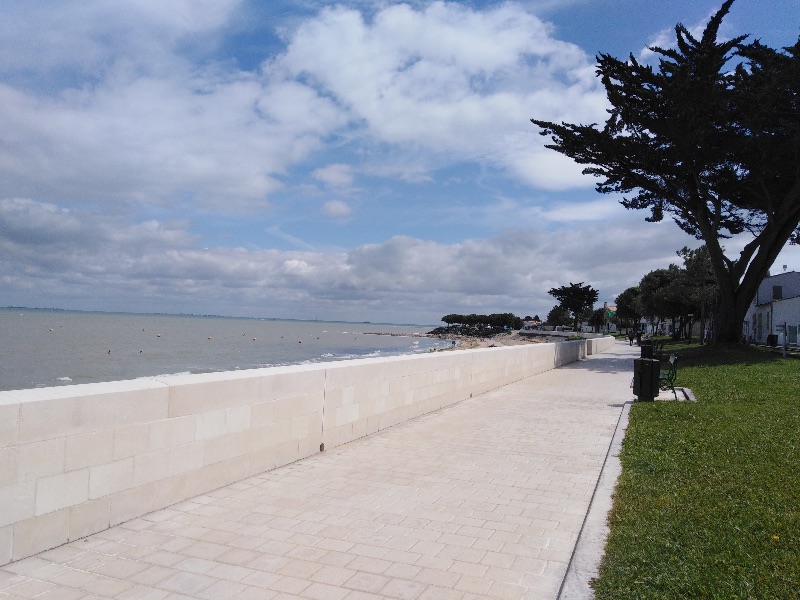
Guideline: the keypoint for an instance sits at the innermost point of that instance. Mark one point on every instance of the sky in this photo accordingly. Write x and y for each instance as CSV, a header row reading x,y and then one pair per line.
x,y
367,160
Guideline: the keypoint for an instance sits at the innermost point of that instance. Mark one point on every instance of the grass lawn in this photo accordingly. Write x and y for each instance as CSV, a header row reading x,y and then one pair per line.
x,y
708,503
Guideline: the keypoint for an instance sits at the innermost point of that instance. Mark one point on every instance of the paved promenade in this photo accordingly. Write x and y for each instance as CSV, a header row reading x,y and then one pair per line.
x,y
485,499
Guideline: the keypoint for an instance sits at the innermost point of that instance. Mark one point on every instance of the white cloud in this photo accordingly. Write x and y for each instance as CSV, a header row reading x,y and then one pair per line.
x,y
602,209
451,81
337,176
666,38
87,36
65,254
337,209
127,113
218,143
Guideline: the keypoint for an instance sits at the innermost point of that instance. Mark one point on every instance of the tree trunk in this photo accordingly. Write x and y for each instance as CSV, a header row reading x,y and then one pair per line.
x,y
728,320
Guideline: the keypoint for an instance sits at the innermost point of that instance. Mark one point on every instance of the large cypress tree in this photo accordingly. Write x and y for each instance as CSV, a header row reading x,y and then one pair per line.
x,y
712,138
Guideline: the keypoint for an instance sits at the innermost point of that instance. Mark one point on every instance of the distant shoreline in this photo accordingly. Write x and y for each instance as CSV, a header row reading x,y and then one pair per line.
x,y
468,342
209,316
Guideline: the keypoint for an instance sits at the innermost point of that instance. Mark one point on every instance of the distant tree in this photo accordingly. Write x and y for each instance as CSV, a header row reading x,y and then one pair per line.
x,y
503,320
711,137
703,288
629,307
558,317
481,322
665,294
597,319
536,318
575,299
452,319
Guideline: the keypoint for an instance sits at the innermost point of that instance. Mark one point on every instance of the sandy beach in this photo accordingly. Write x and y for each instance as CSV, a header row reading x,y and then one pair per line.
x,y
512,338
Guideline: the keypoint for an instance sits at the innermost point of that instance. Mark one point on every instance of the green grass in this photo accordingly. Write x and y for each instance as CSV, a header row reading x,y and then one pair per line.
x,y
708,502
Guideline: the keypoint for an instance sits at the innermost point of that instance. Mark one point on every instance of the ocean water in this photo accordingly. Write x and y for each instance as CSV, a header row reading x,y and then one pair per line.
x,y
43,348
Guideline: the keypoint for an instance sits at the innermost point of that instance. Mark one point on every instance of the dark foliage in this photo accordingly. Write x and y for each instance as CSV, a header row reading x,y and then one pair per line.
x,y
712,138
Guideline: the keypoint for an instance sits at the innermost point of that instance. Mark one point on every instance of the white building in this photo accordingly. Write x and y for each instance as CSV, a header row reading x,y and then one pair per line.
x,y
775,311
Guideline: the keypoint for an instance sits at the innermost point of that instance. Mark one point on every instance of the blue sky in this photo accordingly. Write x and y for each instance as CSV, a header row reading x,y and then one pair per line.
x,y
366,160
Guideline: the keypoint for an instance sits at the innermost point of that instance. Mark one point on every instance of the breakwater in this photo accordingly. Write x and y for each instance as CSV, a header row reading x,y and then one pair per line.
x,y
75,460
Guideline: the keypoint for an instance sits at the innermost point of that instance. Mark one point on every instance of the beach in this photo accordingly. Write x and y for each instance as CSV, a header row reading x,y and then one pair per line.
x,y
509,338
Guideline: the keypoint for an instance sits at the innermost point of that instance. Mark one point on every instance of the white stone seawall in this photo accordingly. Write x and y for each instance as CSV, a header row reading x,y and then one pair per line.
x,y
76,460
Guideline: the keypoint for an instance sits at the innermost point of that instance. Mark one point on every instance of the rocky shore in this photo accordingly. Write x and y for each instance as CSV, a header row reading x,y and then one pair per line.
x,y
507,338
468,342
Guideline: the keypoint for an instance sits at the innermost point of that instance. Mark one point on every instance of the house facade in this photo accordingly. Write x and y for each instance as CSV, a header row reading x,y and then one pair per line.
x,y
775,311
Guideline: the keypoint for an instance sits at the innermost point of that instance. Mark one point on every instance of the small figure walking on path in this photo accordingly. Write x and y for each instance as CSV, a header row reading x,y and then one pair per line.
x,y
630,337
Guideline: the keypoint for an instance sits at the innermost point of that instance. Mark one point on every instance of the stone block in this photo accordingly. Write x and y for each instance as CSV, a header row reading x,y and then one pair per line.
x,y
258,438
38,534
287,409
131,441
17,502
186,458
398,385
336,436
290,382
237,469
315,425
343,415
210,424
132,503
310,445
61,491
6,542
89,517
169,433
237,418
9,419
262,460
170,491
299,428
346,373
287,452
282,432
47,413
110,478
262,414
40,459
151,467
360,429
223,448
207,392
8,466
373,425
313,403
206,479
89,449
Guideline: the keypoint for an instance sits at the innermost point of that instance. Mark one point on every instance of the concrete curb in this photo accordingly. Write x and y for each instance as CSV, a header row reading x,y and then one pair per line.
x,y
590,547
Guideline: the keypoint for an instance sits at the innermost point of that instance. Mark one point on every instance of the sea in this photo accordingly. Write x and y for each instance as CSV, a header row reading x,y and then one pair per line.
x,y
45,348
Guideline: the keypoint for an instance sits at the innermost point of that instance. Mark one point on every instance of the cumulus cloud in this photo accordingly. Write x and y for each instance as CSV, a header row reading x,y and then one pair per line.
x,y
337,209
76,254
143,116
336,176
449,80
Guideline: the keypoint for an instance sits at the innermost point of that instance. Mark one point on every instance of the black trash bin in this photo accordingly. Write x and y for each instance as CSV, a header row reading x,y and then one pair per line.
x,y
772,339
646,349
646,373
